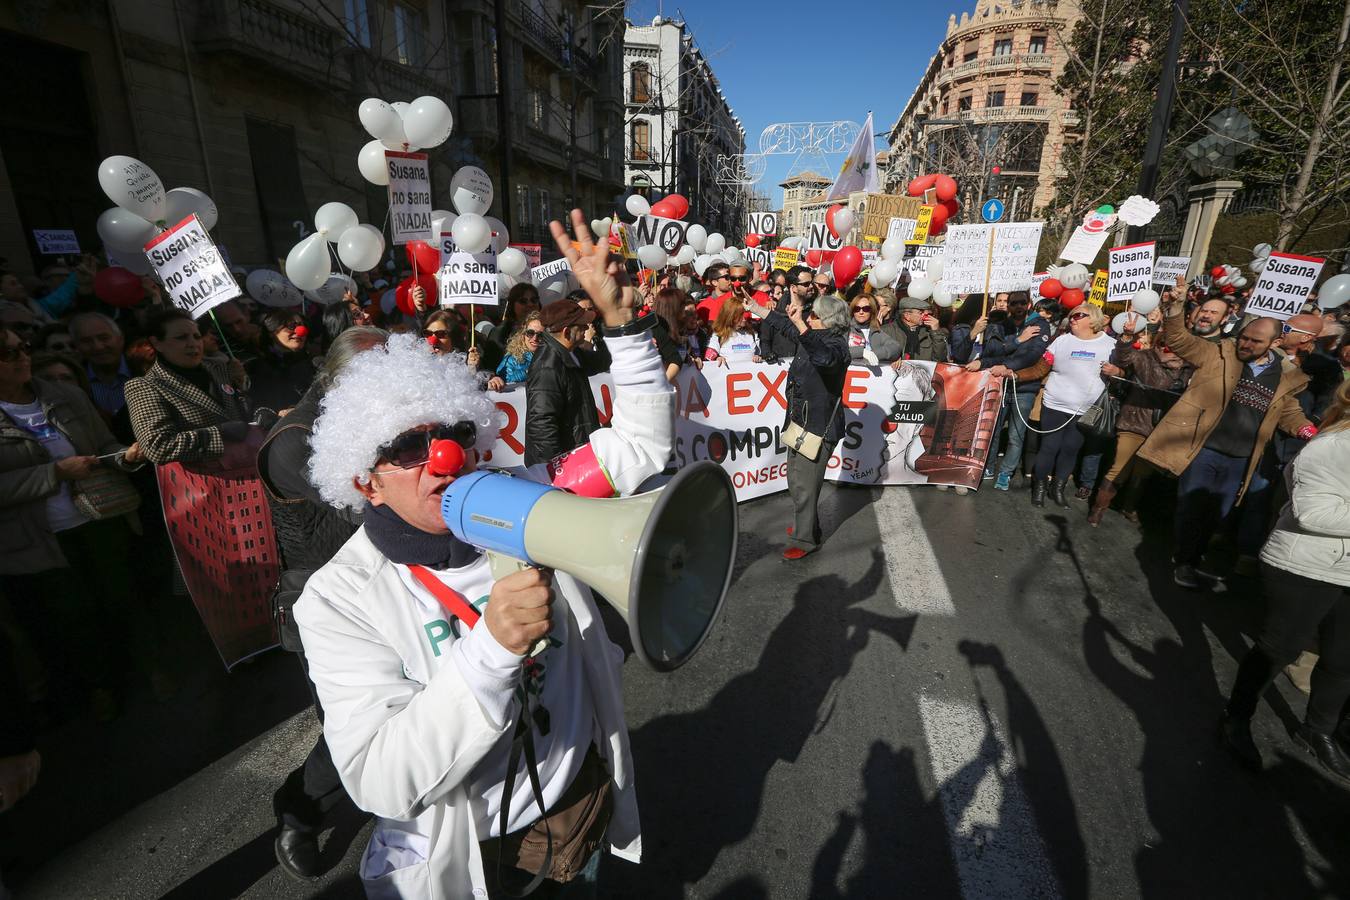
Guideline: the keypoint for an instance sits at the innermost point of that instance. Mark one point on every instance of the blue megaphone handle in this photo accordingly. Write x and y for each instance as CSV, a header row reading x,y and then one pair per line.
x,y
488,510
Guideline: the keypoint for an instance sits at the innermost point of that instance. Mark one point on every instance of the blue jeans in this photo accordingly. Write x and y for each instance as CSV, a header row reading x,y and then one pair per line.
x,y
1017,429
1206,493
1089,468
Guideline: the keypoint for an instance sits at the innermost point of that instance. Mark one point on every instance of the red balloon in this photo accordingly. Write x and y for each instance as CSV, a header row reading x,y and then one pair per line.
x,y
665,209
116,286
752,240
848,262
1218,271
1071,297
946,187
422,256
1051,288
829,218
827,256
1226,289
921,184
403,297
953,207
679,204
939,220
813,258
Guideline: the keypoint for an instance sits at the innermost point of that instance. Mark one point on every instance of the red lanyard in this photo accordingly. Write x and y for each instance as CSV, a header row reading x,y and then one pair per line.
x,y
453,601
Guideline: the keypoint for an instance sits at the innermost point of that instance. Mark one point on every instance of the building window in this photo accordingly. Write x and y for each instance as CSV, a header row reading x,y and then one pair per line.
x,y
1003,47
523,216
640,77
963,102
1029,98
642,140
1037,44
970,56
409,26
358,22
545,202
994,98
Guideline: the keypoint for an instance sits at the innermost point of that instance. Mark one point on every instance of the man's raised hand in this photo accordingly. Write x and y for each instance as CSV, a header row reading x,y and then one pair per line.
x,y
602,277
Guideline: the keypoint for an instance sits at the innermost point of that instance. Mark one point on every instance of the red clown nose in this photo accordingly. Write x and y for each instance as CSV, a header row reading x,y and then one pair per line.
x,y
301,331
446,457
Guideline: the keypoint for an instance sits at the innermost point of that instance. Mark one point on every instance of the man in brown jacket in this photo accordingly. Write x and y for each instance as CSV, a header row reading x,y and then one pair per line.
x,y
1215,435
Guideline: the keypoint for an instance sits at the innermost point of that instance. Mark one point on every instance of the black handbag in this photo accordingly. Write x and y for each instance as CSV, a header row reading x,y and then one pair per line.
x,y
1098,421
288,590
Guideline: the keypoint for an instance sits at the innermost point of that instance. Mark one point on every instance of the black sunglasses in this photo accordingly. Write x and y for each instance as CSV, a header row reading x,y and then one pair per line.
x,y
803,284
413,448
440,334
11,354
735,279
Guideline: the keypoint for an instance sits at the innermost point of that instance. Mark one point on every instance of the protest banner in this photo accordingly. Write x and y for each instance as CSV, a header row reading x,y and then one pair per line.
x,y
1097,295
918,263
764,224
820,238
1167,268
409,195
990,259
924,423
657,231
534,253
902,229
467,277
785,258
921,226
56,241
1284,285
191,268
879,209
760,257
553,278
1083,245
1130,268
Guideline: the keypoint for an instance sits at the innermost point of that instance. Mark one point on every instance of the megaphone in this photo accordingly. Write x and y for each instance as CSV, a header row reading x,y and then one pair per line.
x,y
662,559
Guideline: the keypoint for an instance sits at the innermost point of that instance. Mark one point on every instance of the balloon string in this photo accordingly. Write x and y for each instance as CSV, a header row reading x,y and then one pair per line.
x,y
221,331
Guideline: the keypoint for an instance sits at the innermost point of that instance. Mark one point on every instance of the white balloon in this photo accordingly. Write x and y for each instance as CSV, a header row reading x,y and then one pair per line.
x,y
716,243
441,220
360,248
401,107
935,267
182,202
512,261
123,231
637,205
1074,276
696,236
471,192
1224,279
941,296
701,263
873,280
920,288
428,122
505,282
471,233
1258,264
792,243
886,270
1239,282
134,186
334,218
685,256
597,228
308,264
1334,292
1121,322
271,288
652,256
1145,301
380,120
501,238
370,162
892,248
843,221
332,290
730,256
1262,250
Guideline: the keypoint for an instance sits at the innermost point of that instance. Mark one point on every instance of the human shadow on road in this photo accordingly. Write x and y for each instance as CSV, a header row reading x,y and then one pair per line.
x,y
1218,833
703,773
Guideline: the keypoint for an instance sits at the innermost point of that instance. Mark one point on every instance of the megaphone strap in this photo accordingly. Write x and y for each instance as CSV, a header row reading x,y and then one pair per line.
x,y
454,602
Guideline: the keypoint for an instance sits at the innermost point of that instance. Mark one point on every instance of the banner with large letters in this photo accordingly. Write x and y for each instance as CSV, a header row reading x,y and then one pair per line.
x,y
924,423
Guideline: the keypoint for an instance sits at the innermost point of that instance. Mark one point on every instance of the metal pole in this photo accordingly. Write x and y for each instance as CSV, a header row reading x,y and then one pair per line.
x,y
503,123
572,109
1162,110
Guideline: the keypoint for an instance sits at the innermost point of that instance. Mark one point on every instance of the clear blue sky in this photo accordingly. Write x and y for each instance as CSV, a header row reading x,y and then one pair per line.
x,y
797,61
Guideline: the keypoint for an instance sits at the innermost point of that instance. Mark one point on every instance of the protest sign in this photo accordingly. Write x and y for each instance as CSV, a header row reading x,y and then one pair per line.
x,y
785,258
657,231
921,226
1284,285
191,268
534,253
409,195
1130,268
56,241
467,277
760,257
1083,245
924,423
1036,279
764,224
1167,268
990,258
879,209
918,263
870,258
902,229
552,278
1097,295
820,238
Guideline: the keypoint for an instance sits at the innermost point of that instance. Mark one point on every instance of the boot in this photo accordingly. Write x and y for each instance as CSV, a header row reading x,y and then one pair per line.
x,y
1057,493
1038,492
1105,494
1235,736
1327,751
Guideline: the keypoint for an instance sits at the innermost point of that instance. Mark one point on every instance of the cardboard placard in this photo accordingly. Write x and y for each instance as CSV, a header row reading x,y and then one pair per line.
x,y
921,226
409,195
901,228
191,268
879,209
1131,268
467,277
1084,245
534,253
1097,295
1284,285
764,224
758,256
56,241
785,258
820,238
657,231
1009,262
1167,268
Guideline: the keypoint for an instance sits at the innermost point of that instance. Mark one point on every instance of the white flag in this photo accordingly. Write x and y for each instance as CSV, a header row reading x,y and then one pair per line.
x,y
859,171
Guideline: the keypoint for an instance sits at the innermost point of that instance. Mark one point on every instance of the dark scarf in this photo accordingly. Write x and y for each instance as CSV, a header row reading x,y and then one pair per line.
x,y
198,376
402,543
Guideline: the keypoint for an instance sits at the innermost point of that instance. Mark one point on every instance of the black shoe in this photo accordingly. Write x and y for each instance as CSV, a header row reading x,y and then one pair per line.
x,y
1329,754
1235,736
1057,493
298,853
1038,492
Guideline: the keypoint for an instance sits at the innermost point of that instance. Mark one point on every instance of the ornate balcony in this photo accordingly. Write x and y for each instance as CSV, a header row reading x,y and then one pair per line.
x,y
276,37
1008,62
549,40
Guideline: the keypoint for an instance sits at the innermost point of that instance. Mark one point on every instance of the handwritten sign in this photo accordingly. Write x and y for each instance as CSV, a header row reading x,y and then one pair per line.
x,y
191,268
1131,268
879,209
409,195
764,224
785,258
1167,268
534,253
902,229
1009,260
1084,245
467,277
820,238
56,241
1284,285
1097,296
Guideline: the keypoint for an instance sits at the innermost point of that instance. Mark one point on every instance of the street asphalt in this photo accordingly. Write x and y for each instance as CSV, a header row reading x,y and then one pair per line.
x,y
958,697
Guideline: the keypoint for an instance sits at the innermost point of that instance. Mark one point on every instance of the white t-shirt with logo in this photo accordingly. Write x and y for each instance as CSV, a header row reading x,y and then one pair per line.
x,y
1075,377
61,511
740,346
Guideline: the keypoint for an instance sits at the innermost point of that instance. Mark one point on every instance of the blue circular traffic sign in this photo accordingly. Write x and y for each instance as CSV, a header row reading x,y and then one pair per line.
x,y
992,210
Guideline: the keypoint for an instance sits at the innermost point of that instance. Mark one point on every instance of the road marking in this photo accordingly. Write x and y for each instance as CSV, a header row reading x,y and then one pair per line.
x,y
990,825
916,577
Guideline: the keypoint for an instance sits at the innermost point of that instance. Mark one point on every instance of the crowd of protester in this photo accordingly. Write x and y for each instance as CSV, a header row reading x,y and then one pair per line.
x,y
91,396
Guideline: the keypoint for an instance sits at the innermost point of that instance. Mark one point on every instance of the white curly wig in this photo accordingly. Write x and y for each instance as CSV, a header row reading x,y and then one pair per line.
x,y
379,396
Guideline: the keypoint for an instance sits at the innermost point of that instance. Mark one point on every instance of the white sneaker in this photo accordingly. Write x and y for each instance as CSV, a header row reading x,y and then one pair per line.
x,y
944,487
962,490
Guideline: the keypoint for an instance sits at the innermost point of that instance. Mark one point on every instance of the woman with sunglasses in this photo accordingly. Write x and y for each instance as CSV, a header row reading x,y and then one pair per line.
x,y
444,332
520,350
734,338
284,369
867,344
1075,363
